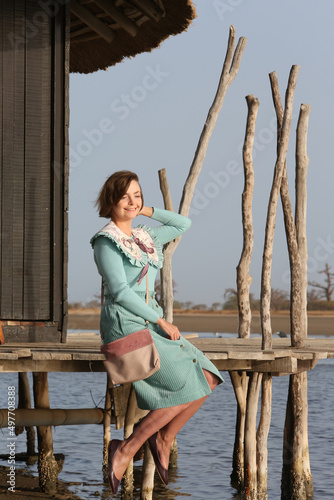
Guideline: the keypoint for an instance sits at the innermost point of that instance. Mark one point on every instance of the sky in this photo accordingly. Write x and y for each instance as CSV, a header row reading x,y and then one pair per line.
x,y
148,112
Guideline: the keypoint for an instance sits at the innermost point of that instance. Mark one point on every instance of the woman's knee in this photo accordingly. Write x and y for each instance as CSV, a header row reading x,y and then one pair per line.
x,y
211,378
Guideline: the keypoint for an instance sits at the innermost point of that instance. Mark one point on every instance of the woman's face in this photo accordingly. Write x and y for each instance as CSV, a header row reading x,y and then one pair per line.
x,y
129,205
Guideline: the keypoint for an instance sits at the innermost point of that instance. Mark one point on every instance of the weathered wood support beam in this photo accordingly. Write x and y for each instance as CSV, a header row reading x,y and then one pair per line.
x,y
250,481
37,417
25,402
47,465
240,386
271,214
107,420
244,280
126,23
88,18
262,437
151,9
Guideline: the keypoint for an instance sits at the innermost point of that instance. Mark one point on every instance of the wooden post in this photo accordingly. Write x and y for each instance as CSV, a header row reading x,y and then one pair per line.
x,y
243,278
296,476
106,428
271,214
302,162
250,486
147,475
25,402
229,72
47,465
127,482
240,386
262,437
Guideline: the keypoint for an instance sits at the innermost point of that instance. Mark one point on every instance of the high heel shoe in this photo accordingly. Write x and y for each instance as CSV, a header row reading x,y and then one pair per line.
x,y
113,448
153,444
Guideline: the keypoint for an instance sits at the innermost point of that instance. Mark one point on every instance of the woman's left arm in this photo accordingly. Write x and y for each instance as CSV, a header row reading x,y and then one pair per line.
x,y
173,224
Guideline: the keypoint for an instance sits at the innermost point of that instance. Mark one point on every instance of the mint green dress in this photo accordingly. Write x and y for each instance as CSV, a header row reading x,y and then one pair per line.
x,y
122,261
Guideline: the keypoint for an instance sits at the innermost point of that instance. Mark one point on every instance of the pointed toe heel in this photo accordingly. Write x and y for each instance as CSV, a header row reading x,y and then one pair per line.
x,y
113,480
153,444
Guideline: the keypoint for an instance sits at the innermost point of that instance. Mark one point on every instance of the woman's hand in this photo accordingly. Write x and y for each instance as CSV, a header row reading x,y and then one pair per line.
x,y
147,211
171,330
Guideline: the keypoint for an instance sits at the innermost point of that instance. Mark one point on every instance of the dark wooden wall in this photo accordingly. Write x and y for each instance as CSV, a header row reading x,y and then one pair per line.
x,y
34,170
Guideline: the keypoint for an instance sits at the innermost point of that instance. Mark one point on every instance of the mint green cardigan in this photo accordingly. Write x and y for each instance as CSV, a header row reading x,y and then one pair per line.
x,y
120,262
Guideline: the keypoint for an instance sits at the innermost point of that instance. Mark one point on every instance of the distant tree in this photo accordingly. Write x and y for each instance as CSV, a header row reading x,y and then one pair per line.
x,y
279,299
200,307
216,305
232,300
325,290
95,302
313,295
178,305
75,305
188,304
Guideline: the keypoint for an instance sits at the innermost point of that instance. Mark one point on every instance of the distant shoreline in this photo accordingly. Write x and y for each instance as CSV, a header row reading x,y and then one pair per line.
x,y
319,322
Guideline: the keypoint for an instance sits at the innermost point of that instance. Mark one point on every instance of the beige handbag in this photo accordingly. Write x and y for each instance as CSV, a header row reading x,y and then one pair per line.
x,y
133,357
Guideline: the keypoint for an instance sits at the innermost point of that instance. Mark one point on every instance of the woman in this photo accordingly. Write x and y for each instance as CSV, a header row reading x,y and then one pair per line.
x,y
123,256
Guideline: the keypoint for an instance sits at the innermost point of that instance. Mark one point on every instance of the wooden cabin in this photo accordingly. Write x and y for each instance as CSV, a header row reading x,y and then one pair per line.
x,y
41,42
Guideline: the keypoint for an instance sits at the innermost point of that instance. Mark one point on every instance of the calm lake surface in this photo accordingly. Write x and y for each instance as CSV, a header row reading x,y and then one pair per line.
x,y
205,443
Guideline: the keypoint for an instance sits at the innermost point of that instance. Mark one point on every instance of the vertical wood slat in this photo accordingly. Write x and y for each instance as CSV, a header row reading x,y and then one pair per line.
x,y
18,166
7,162
61,164
37,160
1,144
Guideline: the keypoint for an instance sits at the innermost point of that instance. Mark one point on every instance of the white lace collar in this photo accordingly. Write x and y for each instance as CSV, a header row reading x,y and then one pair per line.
x,y
128,244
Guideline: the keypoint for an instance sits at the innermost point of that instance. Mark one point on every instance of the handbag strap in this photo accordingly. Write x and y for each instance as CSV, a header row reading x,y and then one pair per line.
x,y
147,291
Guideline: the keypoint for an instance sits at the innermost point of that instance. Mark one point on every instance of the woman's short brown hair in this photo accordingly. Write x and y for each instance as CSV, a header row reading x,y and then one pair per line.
x,y
112,191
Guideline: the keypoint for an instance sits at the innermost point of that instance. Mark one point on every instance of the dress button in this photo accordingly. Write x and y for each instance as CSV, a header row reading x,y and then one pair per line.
x,y
156,305
194,360
181,345
152,297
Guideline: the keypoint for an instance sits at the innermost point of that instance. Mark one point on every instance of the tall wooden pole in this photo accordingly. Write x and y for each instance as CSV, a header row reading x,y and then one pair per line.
x,y
271,214
229,72
243,278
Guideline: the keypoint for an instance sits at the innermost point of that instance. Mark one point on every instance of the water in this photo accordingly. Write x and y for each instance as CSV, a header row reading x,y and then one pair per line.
x,y
205,443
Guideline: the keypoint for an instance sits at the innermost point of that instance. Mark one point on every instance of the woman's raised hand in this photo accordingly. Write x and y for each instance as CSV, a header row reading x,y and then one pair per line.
x,y
147,211
171,330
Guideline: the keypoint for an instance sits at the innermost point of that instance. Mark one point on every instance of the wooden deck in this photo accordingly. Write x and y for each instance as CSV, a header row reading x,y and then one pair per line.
x,y
82,353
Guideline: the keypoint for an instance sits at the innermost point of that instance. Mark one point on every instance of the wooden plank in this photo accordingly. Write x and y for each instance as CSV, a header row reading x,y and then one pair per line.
x,y
287,365
37,173
30,334
30,365
6,281
88,18
1,149
18,166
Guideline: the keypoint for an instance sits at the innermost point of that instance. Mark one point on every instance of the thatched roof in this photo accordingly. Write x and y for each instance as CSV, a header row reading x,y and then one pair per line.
x,y
103,32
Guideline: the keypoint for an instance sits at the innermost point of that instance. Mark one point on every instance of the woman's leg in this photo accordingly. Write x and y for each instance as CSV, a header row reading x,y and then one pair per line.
x,y
153,422
169,431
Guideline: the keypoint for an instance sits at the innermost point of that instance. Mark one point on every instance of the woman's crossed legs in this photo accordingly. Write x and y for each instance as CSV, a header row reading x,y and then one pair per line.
x,y
166,420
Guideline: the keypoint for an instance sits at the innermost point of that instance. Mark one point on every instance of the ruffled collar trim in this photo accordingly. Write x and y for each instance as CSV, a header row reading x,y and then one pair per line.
x,y
143,238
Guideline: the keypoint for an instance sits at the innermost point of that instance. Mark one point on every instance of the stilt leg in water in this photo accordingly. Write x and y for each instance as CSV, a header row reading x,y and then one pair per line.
x,y
47,465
